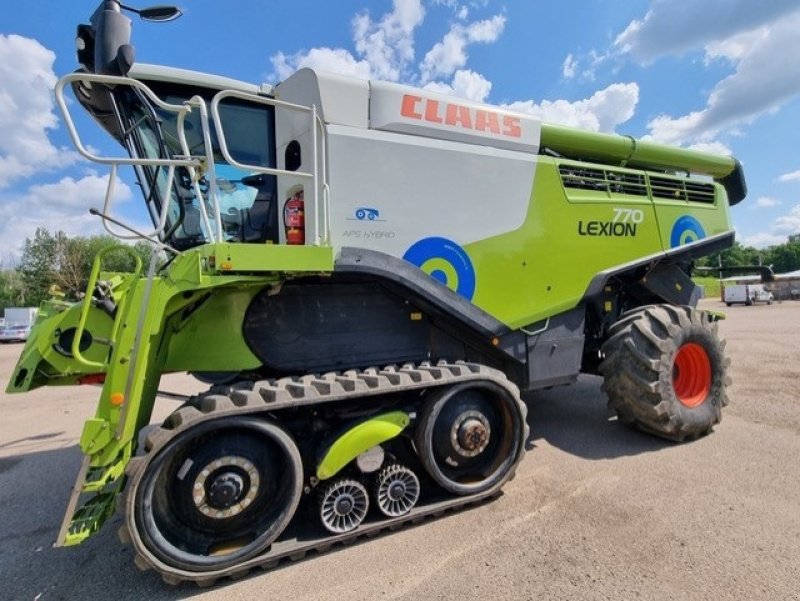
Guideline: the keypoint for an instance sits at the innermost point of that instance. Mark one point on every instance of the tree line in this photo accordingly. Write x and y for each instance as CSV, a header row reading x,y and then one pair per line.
x,y
55,259
782,257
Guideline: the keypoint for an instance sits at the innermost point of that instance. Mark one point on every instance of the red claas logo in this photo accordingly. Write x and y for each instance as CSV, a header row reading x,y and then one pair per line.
x,y
456,115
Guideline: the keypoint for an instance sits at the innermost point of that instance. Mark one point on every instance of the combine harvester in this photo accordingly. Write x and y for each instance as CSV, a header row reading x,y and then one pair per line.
x,y
369,274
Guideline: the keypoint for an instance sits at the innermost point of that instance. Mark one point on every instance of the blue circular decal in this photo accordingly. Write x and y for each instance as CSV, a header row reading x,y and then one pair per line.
x,y
686,229
446,262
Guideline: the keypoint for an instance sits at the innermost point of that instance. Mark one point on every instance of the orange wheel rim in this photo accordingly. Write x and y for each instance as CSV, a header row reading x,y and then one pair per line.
x,y
691,374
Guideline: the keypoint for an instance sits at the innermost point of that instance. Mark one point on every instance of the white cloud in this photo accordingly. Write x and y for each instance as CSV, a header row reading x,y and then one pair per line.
x,y
789,223
737,46
26,111
569,67
712,147
335,60
763,240
385,48
676,26
450,54
794,176
765,202
603,111
779,230
749,35
466,84
388,45
61,206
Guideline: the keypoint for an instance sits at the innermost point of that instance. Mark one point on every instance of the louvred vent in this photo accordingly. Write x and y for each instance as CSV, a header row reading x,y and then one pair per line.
x,y
612,181
603,180
680,189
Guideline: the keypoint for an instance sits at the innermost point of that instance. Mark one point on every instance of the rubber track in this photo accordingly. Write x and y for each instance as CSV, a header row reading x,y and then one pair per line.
x,y
270,396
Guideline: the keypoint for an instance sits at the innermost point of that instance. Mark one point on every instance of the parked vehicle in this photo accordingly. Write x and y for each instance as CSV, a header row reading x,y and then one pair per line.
x,y
15,333
20,316
748,294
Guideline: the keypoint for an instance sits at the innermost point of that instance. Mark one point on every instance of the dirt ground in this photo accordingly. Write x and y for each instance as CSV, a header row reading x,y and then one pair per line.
x,y
597,511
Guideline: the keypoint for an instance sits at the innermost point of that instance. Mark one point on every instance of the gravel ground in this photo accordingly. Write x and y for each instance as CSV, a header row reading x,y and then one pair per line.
x,y
596,511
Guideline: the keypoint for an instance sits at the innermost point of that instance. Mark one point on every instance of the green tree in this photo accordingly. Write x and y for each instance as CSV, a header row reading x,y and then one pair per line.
x,y
785,257
735,255
49,259
37,266
12,292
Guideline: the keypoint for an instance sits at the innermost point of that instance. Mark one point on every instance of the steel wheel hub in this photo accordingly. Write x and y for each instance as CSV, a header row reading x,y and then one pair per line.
x,y
226,487
397,491
344,505
470,433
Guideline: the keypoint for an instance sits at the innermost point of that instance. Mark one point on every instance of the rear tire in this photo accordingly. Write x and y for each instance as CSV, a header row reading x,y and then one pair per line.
x,y
665,371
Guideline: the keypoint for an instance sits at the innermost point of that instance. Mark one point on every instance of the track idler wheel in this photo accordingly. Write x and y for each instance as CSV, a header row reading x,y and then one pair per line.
x,y
396,490
469,436
343,505
217,494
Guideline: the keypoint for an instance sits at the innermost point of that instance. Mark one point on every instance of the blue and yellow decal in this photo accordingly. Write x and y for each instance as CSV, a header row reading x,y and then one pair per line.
x,y
445,261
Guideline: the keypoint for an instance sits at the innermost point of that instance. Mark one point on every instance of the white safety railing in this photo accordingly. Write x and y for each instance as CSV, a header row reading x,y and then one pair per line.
x,y
320,194
197,166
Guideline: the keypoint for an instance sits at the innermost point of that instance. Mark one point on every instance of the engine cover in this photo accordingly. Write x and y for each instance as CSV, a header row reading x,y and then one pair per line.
x,y
313,327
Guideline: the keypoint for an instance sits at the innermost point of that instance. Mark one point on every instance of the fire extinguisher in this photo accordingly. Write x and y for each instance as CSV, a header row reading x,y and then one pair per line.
x,y
294,219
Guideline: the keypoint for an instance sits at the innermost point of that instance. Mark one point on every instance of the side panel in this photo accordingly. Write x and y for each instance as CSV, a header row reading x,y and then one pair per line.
x,y
682,221
389,191
521,236
544,267
494,225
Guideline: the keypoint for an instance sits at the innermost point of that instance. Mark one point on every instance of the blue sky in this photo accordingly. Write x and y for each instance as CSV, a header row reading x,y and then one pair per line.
x,y
716,74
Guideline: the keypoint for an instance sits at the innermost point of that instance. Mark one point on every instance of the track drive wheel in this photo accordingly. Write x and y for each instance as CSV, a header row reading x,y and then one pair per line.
x,y
665,371
470,436
216,494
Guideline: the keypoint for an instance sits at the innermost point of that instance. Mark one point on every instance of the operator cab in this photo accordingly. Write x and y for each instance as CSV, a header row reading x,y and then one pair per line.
x,y
248,204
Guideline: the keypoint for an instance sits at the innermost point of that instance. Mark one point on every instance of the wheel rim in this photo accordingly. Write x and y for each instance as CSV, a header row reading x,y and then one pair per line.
x,y
397,490
218,494
691,375
468,437
343,506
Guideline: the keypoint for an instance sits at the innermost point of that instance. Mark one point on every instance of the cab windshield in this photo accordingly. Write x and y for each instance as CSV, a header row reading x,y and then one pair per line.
x,y
247,202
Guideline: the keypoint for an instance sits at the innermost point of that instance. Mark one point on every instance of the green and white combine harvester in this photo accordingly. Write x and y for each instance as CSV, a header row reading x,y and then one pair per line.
x,y
367,274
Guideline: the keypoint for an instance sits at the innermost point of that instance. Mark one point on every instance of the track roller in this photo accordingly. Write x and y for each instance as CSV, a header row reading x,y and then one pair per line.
x,y
343,505
470,436
396,490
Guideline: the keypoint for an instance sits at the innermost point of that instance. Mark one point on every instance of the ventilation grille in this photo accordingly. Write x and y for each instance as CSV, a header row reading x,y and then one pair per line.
x,y
635,184
603,180
681,189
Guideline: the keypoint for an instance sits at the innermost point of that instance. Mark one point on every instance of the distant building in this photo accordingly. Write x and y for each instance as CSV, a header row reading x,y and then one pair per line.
x,y
785,287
